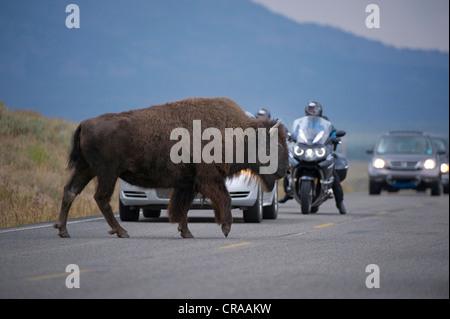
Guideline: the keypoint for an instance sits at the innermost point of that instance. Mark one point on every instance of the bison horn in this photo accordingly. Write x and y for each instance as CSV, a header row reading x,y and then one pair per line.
x,y
272,129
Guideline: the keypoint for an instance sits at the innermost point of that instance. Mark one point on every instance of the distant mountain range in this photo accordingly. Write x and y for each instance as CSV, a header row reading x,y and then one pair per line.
x,y
132,55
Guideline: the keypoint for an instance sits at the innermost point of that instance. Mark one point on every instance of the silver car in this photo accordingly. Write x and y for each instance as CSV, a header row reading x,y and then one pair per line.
x,y
404,159
246,194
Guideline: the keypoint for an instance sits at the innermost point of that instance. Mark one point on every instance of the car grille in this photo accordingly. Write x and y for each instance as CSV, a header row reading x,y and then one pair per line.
x,y
404,165
239,194
164,193
134,194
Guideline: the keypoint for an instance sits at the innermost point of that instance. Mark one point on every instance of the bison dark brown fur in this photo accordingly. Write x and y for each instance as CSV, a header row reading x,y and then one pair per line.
x,y
135,146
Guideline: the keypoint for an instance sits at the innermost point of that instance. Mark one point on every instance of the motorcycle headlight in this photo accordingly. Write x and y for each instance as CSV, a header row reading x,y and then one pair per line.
x,y
298,150
320,152
444,168
309,153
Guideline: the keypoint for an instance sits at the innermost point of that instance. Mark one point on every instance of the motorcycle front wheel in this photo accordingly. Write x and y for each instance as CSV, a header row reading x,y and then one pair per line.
x,y
306,196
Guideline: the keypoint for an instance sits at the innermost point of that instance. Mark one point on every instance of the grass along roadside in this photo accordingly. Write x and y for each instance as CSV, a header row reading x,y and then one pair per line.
x,y
33,157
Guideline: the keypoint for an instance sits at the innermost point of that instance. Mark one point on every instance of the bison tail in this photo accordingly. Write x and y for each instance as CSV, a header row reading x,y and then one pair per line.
x,y
75,153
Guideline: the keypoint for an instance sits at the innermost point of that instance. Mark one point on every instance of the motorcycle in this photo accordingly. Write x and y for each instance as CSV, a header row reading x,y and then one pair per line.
x,y
313,161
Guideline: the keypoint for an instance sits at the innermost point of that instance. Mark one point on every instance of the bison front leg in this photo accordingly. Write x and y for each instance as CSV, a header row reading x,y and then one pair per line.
x,y
222,208
221,202
180,202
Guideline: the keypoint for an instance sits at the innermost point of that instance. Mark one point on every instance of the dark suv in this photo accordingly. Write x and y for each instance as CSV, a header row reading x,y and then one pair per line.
x,y
402,160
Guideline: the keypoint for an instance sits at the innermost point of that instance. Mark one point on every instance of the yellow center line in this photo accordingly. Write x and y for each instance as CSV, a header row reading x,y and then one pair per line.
x,y
235,245
63,274
384,212
324,225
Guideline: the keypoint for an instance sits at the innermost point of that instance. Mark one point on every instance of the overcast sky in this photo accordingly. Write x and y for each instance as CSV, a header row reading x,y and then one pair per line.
x,y
415,24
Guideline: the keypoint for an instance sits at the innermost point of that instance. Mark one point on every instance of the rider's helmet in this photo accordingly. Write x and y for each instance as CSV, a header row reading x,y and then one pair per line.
x,y
263,113
313,108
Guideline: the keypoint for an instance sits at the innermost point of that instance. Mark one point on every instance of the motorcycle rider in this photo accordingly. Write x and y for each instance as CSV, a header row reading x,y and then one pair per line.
x,y
314,108
263,113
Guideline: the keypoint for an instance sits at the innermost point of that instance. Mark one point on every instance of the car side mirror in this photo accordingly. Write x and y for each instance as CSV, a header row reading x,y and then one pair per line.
x,y
369,151
340,133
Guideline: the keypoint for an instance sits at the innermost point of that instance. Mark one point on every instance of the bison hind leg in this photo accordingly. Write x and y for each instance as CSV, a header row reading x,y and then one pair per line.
x,y
105,189
180,202
80,178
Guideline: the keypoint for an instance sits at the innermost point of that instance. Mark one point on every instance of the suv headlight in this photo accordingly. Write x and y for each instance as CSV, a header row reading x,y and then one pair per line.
x,y
429,164
379,163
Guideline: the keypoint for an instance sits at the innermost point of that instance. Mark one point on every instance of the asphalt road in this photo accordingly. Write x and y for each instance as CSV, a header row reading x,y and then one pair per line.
x,y
323,255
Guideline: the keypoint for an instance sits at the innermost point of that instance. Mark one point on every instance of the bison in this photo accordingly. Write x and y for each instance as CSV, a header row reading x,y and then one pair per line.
x,y
136,147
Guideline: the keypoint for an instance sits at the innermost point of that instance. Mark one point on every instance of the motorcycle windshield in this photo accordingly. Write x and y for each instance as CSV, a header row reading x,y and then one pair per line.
x,y
312,130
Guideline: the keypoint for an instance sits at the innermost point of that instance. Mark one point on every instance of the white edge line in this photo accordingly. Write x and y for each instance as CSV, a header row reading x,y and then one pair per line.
x,y
7,230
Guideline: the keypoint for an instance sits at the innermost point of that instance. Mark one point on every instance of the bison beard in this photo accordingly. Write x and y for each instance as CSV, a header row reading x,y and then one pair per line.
x,y
135,146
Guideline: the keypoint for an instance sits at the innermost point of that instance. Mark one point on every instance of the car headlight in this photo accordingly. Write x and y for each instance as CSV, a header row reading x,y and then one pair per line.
x,y
444,168
298,150
379,163
429,164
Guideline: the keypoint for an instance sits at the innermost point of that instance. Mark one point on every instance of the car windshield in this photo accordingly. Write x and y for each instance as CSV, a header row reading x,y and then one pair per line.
x,y
404,145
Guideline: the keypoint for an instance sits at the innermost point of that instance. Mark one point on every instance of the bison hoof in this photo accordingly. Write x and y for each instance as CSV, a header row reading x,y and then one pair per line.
x,y
64,235
62,230
120,234
226,228
184,231
186,234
